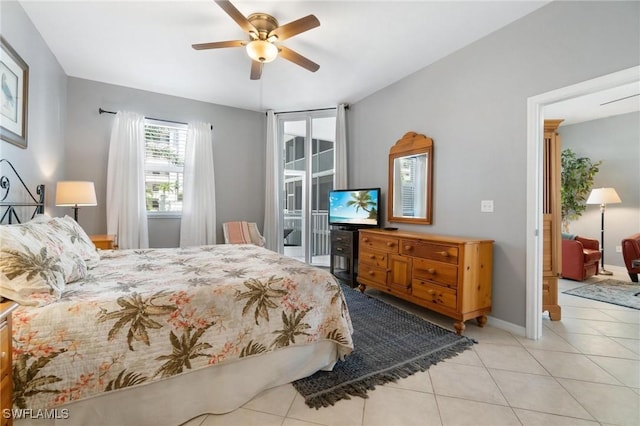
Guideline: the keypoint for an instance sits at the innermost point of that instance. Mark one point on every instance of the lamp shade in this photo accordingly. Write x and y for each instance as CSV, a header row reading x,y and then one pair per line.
x,y
262,51
603,196
75,193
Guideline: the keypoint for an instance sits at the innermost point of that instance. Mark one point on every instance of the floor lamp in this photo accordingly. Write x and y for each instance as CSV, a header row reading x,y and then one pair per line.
x,y
603,196
75,194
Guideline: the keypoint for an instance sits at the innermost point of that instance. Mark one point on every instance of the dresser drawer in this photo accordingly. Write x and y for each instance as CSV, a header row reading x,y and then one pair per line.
x,y
374,258
371,273
435,294
439,272
379,242
6,398
427,250
5,348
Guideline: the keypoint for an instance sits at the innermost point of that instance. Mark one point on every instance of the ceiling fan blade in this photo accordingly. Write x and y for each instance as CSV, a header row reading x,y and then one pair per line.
x,y
295,27
256,70
237,16
219,44
298,59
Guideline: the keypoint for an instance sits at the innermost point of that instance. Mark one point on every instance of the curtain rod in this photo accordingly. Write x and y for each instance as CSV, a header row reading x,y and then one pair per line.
x,y
309,110
104,111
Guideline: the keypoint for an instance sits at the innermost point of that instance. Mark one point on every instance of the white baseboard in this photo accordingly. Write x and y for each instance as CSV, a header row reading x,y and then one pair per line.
x,y
619,269
507,326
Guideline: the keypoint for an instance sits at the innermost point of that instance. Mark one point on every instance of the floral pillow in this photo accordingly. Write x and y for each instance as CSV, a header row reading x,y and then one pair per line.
x,y
75,239
74,267
31,271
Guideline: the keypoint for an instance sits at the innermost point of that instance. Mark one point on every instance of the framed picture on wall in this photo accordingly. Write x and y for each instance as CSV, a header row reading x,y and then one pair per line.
x,y
13,96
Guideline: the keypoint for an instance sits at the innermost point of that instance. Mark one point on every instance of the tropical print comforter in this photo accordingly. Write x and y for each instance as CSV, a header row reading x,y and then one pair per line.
x,y
144,315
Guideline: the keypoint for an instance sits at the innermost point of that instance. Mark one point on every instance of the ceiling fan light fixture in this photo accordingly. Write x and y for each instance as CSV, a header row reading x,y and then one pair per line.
x,y
262,51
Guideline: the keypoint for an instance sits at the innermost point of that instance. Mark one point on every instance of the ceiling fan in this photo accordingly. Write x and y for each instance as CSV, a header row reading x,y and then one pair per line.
x,y
264,31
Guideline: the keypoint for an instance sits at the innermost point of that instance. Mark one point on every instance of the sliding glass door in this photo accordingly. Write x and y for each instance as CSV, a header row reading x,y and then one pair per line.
x,y
307,144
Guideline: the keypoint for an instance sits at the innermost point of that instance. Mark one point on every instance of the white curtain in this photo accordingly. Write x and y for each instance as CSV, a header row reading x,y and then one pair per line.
x,y
272,190
340,149
126,203
198,224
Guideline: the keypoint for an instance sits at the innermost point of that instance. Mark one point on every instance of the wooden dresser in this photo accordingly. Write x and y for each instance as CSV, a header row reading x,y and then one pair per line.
x,y
6,385
449,275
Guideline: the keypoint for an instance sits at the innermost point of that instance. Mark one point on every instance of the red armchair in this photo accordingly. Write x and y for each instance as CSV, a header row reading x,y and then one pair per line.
x,y
630,252
580,258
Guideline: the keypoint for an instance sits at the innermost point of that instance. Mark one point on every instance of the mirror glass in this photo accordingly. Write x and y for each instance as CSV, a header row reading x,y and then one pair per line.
x,y
410,171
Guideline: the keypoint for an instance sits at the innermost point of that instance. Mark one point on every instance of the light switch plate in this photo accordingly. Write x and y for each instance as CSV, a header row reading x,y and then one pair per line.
x,y
486,206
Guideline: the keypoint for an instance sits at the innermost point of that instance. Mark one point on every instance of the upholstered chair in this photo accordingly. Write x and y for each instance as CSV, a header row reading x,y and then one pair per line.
x,y
580,257
631,252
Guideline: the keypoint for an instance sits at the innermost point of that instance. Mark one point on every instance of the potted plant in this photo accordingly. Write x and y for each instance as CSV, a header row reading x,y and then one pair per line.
x,y
576,183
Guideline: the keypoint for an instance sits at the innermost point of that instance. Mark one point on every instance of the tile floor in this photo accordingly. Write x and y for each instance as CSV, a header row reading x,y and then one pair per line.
x,y
584,371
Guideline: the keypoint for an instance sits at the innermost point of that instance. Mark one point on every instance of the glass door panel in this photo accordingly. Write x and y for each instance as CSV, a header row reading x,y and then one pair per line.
x,y
294,172
323,133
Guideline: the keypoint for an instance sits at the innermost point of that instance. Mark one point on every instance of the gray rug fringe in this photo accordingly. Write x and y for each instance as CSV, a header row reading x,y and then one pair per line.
x,y
361,387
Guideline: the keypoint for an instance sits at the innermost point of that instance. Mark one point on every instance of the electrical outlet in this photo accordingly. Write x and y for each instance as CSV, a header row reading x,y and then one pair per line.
x,y
618,249
486,206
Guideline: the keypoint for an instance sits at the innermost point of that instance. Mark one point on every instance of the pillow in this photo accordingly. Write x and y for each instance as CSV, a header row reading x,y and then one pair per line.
x,y
76,240
74,267
40,218
31,273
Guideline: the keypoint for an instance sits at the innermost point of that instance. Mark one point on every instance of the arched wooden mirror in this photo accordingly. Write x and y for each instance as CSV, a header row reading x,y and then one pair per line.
x,y
410,180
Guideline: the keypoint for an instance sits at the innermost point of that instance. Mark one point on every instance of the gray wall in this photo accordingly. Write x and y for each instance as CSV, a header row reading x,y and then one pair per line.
x,y
473,103
239,151
616,142
43,161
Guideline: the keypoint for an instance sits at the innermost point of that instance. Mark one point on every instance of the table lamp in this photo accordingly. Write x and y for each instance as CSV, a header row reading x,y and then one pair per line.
x,y
76,194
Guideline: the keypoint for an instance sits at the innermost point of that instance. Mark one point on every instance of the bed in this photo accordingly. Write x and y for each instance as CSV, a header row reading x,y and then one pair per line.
x,y
159,336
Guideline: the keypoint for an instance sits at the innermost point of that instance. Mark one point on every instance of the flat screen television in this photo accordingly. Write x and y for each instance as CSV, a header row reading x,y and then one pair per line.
x,y
354,208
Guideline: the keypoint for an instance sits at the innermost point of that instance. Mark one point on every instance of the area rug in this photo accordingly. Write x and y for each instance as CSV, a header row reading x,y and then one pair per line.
x,y
610,291
389,344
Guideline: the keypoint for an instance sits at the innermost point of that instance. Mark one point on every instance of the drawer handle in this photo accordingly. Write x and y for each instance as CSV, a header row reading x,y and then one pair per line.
x,y
432,271
390,244
338,248
371,273
443,253
431,292
408,248
339,239
365,239
3,355
372,256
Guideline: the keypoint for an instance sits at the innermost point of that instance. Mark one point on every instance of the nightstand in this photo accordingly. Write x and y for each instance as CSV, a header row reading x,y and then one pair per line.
x,y
104,241
6,380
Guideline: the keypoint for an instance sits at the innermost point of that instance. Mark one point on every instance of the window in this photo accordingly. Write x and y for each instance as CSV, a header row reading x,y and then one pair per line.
x,y
164,166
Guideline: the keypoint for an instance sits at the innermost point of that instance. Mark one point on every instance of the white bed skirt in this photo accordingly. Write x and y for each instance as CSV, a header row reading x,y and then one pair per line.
x,y
215,390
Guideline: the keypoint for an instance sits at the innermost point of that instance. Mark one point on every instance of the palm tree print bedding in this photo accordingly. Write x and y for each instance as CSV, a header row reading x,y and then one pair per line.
x,y
141,316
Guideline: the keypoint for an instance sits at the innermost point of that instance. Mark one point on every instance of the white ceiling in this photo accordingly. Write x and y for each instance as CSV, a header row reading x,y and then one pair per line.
x,y
607,103
361,46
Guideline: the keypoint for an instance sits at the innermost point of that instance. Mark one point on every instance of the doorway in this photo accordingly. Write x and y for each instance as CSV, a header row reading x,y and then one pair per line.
x,y
535,118
307,143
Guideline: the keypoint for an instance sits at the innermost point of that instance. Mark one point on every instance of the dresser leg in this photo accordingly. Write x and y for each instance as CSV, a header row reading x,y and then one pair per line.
x,y
555,312
481,320
362,287
460,327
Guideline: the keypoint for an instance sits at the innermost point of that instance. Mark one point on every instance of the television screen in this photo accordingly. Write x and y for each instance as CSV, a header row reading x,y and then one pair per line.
x,y
354,207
